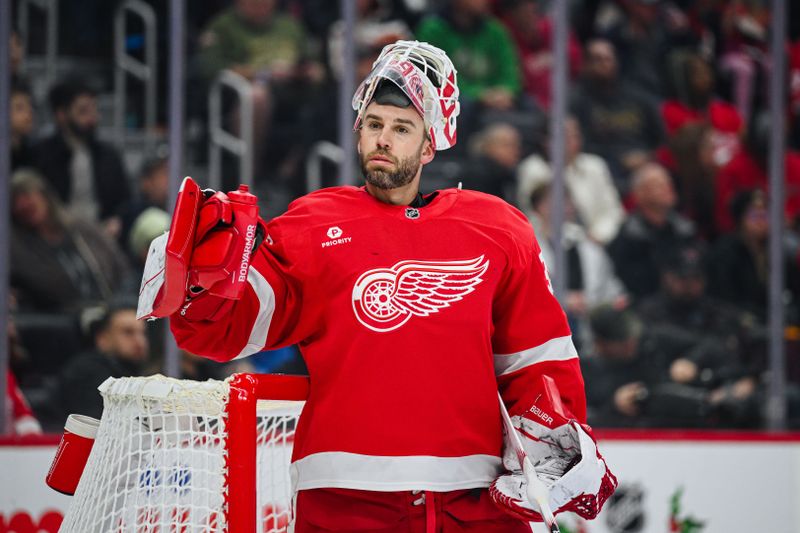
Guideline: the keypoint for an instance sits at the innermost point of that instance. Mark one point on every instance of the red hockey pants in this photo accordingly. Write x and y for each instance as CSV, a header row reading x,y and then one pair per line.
x,y
357,511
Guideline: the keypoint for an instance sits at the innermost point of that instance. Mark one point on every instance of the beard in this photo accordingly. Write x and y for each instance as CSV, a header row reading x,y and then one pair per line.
x,y
404,170
84,133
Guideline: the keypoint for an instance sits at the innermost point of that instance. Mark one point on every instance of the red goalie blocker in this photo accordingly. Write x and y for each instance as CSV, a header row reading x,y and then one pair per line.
x,y
208,250
564,454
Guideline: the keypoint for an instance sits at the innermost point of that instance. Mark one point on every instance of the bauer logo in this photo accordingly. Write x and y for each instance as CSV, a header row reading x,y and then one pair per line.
x,y
335,234
386,298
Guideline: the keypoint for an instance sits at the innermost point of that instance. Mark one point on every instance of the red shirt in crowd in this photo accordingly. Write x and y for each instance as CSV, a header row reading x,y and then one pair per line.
x,y
724,119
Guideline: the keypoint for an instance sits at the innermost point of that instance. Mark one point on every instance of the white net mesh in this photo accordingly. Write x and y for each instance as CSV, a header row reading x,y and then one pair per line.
x,y
158,461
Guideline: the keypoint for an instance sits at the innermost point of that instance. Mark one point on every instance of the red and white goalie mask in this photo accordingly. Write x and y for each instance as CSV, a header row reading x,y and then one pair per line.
x,y
427,77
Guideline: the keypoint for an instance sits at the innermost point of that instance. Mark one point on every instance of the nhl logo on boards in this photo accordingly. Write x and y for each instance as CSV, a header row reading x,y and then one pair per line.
x,y
412,213
386,298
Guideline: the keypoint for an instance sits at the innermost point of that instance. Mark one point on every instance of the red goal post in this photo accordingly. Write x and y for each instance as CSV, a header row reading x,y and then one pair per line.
x,y
181,456
246,390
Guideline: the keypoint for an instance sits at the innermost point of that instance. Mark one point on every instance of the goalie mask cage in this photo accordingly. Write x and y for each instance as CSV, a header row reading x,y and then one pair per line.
x,y
179,456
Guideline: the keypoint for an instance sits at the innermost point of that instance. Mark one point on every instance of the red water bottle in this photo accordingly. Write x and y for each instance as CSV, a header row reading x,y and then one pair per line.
x,y
244,226
72,453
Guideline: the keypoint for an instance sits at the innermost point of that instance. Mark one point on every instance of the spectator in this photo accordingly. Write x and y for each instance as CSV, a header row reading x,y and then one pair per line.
x,y
697,103
745,28
628,380
21,421
87,174
153,192
19,416
532,33
748,170
253,39
626,364
588,182
618,124
21,120
649,232
691,154
16,56
199,368
59,263
739,266
590,275
151,223
729,342
482,51
120,348
374,30
644,34
495,154
270,49
793,110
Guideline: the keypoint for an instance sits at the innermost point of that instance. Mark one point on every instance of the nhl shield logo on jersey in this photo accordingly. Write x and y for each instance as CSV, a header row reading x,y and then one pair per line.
x,y
386,298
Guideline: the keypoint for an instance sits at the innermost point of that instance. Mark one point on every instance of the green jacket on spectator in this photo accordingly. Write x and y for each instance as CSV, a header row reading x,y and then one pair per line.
x,y
484,57
229,40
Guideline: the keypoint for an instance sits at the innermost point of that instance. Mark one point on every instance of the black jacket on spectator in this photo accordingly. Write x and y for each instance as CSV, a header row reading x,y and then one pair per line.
x,y
486,175
614,123
86,267
734,277
77,388
640,248
665,404
22,155
737,335
53,158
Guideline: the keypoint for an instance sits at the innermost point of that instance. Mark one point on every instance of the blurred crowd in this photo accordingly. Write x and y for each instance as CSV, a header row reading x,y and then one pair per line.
x,y
666,222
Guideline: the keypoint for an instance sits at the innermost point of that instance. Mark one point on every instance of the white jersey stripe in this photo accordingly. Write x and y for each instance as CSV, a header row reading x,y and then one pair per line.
x,y
416,472
266,306
558,349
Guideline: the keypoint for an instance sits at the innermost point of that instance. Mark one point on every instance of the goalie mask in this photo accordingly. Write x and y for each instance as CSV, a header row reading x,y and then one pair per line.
x,y
426,77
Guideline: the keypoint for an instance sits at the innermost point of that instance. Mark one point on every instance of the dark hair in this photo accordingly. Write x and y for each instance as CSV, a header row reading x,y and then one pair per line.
x,y
741,202
96,320
63,93
611,324
20,86
686,260
28,179
538,194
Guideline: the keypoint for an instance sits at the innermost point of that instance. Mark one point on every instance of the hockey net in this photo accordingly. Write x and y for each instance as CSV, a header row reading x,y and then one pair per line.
x,y
178,456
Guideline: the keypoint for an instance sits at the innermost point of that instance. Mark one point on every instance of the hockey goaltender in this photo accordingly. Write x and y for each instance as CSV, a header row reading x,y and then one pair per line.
x,y
409,325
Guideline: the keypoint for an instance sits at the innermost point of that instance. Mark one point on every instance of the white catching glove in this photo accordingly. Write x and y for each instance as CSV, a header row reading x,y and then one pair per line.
x,y
565,456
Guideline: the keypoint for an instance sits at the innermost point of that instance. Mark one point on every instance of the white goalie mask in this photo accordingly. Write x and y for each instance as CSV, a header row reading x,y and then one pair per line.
x,y
427,77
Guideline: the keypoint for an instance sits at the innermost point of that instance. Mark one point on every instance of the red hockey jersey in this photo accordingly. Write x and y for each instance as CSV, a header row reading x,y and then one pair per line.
x,y
409,320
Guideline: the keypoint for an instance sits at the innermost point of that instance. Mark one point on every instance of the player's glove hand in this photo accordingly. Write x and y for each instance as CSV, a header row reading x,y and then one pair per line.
x,y
206,253
565,456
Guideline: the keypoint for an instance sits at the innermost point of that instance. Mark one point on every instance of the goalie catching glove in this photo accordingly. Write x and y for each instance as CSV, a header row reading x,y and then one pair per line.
x,y
565,457
207,251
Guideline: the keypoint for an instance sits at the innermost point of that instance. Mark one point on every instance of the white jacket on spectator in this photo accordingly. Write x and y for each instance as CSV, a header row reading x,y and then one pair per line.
x,y
589,184
600,284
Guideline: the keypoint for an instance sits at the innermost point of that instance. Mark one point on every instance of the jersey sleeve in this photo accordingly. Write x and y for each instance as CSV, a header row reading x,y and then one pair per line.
x,y
531,336
272,313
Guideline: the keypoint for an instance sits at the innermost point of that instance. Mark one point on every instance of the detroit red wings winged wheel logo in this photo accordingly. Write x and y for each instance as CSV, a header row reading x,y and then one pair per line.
x,y
386,298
